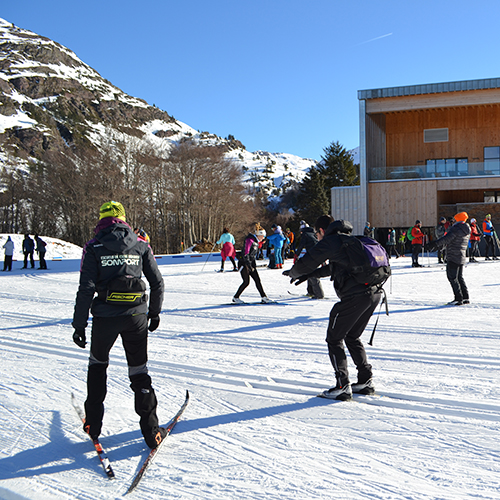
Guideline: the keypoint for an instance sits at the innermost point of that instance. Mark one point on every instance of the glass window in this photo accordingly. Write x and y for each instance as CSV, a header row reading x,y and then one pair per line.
x,y
492,153
492,166
491,196
431,167
440,166
451,166
463,166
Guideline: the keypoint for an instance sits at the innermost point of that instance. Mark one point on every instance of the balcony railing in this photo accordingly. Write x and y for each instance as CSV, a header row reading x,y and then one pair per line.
x,y
462,169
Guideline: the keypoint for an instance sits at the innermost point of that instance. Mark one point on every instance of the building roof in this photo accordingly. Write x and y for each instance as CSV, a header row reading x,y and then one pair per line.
x,y
430,88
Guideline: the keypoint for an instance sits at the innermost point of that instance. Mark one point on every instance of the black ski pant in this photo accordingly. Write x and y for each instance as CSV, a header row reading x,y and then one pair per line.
x,y
246,275
490,245
415,252
454,273
32,260
232,262
474,250
134,333
314,288
41,256
348,320
390,249
7,263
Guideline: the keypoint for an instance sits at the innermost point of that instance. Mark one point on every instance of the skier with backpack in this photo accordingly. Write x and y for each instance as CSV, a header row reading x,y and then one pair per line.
x,y
358,267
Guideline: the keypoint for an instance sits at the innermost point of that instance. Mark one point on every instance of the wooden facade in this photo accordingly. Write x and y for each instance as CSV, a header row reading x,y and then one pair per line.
x,y
392,125
400,203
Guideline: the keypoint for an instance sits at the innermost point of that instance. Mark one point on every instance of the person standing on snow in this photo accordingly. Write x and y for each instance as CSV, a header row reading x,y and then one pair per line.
x,y
9,253
475,238
248,264
28,250
489,234
112,266
440,231
41,248
349,317
308,239
391,243
227,251
369,231
416,243
456,241
276,241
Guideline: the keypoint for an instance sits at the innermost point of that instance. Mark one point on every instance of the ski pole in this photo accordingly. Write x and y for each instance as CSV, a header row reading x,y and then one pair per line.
x,y
209,255
384,300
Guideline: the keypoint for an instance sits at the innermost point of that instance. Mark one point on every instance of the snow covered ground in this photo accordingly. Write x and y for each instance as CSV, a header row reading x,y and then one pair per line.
x,y
254,428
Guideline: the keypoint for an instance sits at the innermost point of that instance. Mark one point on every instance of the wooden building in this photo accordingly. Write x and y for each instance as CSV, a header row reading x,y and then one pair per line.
x,y
426,151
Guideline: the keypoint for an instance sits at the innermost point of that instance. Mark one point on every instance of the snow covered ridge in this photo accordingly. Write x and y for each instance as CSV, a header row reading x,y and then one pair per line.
x,y
56,249
40,76
52,96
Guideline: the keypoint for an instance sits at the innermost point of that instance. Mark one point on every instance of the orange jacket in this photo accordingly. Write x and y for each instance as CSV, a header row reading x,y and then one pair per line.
x,y
418,236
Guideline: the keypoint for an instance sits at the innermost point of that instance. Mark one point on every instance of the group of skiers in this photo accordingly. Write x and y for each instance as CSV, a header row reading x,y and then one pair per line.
x,y
30,246
111,289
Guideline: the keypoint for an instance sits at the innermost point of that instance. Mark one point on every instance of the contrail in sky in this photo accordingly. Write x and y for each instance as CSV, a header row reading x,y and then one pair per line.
x,y
373,39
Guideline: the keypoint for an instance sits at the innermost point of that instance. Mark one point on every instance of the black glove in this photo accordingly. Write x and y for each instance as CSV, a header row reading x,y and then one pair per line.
x,y
79,337
287,272
300,280
154,322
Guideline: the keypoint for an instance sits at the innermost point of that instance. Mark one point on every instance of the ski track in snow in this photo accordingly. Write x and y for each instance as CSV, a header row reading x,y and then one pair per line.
x,y
254,428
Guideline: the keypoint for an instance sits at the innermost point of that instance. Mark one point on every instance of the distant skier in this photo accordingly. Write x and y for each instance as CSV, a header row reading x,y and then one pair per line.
x,y
248,264
28,250
112,265
489,235
456,241
276,241
308,239
227,251
9,253
475,238
41,249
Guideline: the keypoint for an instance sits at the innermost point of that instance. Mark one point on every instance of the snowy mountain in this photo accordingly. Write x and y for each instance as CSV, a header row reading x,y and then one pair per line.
x,y
50,99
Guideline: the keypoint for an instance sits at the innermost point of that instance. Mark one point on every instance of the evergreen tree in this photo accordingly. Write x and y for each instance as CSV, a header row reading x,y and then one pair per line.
x,y
337,167
313,199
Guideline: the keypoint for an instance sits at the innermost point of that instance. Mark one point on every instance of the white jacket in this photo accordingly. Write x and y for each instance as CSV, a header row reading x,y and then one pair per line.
x,y
9,247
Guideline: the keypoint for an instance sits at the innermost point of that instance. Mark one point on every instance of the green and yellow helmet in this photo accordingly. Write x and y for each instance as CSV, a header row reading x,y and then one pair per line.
x,y
112,209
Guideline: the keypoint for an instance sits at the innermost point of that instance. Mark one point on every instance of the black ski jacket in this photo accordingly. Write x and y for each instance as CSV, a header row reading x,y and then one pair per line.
x,y
115,251
456,241
307,239
249,252
331,249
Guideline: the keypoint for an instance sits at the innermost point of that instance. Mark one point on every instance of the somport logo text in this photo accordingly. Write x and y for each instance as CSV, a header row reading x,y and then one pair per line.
x,y
119,260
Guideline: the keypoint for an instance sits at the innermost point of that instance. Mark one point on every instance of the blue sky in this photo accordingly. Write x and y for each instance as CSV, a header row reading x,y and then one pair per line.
x,y
279,75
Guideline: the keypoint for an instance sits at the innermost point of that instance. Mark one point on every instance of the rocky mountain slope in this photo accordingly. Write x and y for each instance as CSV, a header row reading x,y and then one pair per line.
x,y
51,100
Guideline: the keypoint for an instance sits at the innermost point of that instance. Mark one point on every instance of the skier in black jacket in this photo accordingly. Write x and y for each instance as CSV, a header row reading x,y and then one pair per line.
x,y
456,241
308,238
111,267
349,317
247,264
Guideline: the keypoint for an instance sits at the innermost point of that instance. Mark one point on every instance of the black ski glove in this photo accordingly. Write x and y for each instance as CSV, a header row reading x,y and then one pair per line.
x,y
300,280
297,281
79,337
154,322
